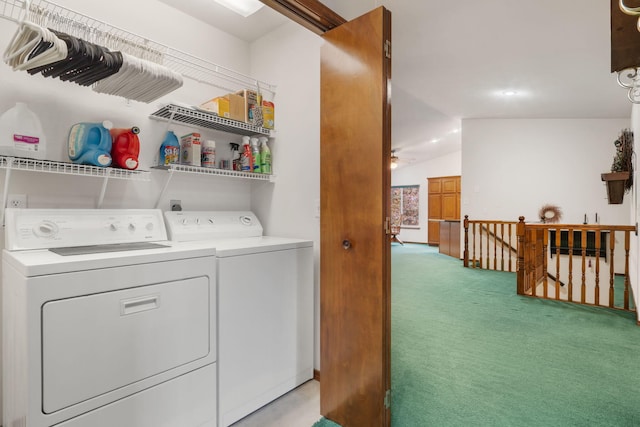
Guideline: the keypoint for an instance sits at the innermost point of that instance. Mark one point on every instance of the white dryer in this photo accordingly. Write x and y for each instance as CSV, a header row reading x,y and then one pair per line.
x,y
265,307
105,322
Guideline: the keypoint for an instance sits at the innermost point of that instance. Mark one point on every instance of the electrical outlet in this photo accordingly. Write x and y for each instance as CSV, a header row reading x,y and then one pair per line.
x,y
175,205
17,201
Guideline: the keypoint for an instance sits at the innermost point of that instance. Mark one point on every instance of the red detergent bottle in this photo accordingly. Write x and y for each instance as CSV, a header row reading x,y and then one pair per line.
x,y
125,148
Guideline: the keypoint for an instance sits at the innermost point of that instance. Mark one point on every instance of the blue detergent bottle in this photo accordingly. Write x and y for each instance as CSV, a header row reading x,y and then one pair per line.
x,y
169,150
90,143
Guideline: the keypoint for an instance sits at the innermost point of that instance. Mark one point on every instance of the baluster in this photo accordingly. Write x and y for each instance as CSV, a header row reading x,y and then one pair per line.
x,y
520,264
558,240
502,245
597,289
465,257
583,246
612,271
473,248
533,237
570,238
627,240
481,260
495,246
510,248
488,253
545,276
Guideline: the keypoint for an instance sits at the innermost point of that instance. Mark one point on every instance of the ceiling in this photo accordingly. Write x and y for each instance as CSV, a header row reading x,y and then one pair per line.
x,y
453,60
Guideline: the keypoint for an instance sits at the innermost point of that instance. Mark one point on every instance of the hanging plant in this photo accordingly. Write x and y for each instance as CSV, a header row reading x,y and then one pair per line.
x,y
622,160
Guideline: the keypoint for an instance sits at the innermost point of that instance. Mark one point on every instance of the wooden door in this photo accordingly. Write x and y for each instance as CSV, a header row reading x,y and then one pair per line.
x,y
355,254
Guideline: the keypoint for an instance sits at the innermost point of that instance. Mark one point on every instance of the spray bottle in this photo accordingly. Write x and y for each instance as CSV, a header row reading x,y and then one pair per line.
x,y
235,157
246,158
265,155
255,153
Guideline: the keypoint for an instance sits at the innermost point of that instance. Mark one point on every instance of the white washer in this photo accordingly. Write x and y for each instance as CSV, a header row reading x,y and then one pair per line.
x,y
115,328
265,307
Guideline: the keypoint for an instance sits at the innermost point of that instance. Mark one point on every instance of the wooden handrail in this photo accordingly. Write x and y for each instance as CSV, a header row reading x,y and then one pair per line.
x,y
487,235
584,242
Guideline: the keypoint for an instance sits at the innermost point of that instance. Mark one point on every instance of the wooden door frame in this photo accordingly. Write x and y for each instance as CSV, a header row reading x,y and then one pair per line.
x,y
311,14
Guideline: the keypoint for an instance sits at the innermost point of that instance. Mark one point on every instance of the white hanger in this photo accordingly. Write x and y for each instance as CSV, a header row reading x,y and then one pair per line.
x,y
140,80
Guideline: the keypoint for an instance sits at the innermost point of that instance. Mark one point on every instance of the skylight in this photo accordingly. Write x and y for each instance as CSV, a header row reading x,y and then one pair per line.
x,y
242,7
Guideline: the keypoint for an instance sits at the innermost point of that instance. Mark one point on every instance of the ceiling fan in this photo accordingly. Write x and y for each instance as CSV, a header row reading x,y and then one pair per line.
x,y
395,160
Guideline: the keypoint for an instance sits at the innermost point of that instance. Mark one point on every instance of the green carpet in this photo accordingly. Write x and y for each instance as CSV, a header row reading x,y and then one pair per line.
x,y
323,422
468,351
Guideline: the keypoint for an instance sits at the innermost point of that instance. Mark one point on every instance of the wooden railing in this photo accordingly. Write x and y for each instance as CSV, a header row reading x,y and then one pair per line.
x,y
583,260
490,245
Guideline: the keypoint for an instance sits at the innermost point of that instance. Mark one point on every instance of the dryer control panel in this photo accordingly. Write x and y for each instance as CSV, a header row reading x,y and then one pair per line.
x,y
57,228
185,226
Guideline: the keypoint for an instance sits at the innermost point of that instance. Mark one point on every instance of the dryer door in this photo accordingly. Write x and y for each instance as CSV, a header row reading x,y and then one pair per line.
x,y
97,343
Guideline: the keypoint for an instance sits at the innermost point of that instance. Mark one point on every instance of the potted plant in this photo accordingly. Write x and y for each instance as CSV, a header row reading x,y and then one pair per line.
x,y
620,179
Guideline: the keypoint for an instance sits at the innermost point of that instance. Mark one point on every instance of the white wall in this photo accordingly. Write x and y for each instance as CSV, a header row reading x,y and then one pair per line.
x,y
514,167
290,58
417,174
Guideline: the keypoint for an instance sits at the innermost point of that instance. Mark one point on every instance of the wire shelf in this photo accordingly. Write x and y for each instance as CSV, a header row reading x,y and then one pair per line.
x,y
51,15
216,172
196,118
34,165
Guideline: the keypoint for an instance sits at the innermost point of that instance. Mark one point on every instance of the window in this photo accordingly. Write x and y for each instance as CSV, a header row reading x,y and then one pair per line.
x,y
405,203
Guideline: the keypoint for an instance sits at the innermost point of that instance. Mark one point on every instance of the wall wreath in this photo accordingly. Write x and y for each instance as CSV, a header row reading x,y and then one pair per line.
x,y
550,214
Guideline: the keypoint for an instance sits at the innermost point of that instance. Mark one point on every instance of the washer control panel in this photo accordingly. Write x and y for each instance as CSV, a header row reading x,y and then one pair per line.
x,y
56,228
210,225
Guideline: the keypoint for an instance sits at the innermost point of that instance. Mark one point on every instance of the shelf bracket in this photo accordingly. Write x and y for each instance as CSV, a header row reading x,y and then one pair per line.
x,y
164,188
103,190
5,194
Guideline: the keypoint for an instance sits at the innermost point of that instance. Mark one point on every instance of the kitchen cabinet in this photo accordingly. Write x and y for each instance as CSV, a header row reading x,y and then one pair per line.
x,y
443,204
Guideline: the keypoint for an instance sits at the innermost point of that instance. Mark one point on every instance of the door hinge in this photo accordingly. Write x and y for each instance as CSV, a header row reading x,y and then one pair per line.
x,y
387,48
387,225
387,399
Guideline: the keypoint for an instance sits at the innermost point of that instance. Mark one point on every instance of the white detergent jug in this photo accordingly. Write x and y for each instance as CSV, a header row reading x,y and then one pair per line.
x,y
21,133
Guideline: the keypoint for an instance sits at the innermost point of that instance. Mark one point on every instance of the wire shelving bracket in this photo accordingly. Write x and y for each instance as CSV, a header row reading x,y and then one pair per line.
x,y
33,165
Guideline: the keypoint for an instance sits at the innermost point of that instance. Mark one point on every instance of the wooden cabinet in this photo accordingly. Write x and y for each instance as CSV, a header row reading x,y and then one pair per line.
x,y
450,238
444,204
433,231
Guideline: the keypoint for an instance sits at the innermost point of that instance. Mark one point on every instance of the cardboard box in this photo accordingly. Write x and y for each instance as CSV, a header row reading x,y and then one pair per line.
x,y
268,114
218,106
252,106
190,151
237,110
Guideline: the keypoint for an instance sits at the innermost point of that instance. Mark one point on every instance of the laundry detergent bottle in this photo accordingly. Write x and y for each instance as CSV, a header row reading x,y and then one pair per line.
x,y
90,143
126,147
169,150
21,133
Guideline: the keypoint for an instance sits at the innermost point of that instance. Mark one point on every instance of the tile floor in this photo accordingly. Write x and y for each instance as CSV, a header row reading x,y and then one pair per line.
x,y
298,408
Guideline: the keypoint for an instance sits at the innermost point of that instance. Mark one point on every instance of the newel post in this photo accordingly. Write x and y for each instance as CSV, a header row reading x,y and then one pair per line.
x,y
520,264
466,241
